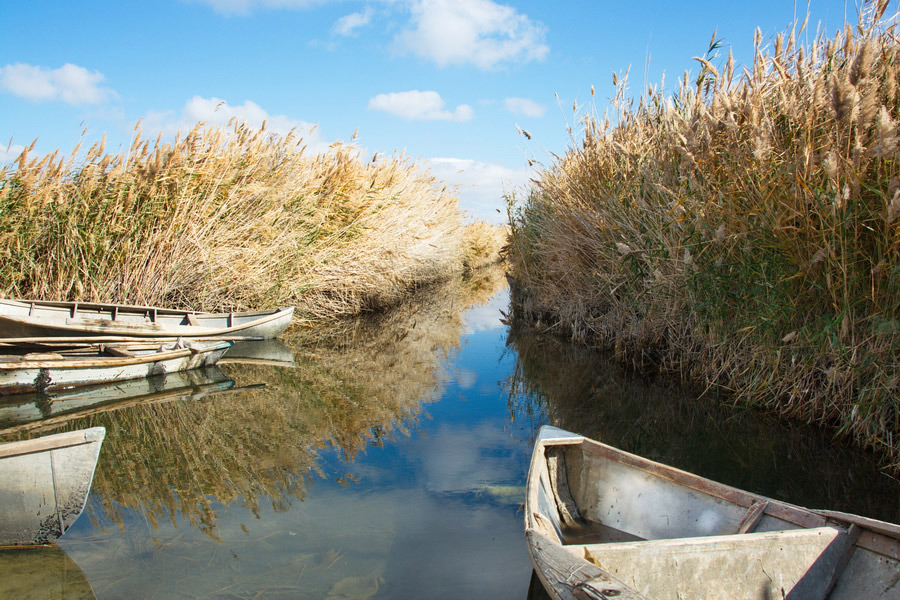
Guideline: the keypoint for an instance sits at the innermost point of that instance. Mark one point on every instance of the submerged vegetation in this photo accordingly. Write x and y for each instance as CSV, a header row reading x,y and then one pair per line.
x,y
230,218
743,233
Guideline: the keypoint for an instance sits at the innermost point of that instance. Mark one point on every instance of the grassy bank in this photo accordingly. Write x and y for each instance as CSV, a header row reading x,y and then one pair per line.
x,y
229,218
743,233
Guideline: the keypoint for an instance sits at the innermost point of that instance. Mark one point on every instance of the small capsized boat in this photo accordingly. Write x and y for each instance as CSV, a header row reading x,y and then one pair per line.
x,y
44,484
99,363
603,523
36,318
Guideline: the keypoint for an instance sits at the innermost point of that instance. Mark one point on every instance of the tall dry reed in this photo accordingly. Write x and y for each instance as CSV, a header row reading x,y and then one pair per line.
x,y
744,232
226,218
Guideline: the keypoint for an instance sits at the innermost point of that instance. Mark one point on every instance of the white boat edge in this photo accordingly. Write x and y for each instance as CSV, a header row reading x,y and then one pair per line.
x,y
62,467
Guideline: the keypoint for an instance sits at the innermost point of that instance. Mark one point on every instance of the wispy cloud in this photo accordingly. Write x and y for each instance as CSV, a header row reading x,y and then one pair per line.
x,y
69,83
215,111
9,153
481,185
420,106
478,32
245,7
524,106
348,24
483,33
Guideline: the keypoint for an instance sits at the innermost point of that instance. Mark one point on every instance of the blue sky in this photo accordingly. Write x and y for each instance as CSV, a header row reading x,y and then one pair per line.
x,y
447,82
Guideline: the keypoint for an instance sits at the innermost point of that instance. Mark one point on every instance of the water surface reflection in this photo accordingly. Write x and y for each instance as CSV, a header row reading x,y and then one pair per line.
x,y
376,464
386,458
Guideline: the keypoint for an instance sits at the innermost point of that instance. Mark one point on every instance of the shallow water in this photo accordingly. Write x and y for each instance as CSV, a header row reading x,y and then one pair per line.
x,y
388,460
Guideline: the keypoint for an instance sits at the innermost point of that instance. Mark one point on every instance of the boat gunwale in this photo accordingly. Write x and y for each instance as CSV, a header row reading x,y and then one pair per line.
x,y
71,323
68,439
582,572
140,308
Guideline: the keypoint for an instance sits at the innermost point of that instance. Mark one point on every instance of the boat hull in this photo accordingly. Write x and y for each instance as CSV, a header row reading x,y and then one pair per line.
x,y
31,319
604,522
19,376
44,485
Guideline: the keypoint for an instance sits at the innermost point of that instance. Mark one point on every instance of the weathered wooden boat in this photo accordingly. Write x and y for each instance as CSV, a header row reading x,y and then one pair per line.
x,y
48,371
36,411
603,523
44,484
33,318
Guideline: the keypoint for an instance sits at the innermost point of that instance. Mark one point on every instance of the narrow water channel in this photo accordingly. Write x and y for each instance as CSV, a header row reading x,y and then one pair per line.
x,y
385,458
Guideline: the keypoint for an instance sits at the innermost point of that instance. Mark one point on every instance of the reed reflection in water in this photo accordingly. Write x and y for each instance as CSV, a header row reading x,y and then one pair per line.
x,y
332,482
584,391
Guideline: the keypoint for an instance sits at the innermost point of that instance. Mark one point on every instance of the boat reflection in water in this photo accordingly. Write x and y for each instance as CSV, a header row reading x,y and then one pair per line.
x,y
42,572
42,411
273,352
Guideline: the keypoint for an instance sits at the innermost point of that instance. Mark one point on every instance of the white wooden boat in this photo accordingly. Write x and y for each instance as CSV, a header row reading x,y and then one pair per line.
x,y
33,318
44,484
603,523
48,371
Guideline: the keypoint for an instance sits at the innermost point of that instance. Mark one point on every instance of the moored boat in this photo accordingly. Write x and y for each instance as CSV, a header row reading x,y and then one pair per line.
x,y
98,363
603,523
44,484
34,318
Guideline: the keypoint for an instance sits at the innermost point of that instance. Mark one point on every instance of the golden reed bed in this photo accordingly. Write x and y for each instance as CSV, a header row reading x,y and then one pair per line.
x,y
742,233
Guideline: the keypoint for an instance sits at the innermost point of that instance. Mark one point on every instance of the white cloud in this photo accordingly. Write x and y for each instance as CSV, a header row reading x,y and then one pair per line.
x,y
487,316
481,186
70,83
524,106
479,32
420,106
215,111
9,153
348,24
457,459
483,33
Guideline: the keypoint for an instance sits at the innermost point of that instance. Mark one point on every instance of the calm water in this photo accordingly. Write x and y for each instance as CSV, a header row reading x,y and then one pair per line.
x,y
386,459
